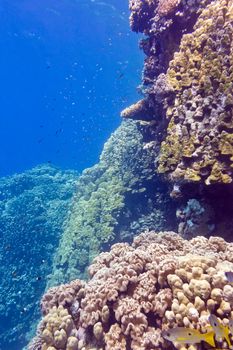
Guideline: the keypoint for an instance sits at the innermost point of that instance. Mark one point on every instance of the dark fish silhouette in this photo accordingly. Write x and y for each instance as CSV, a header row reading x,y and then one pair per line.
x,y
229,276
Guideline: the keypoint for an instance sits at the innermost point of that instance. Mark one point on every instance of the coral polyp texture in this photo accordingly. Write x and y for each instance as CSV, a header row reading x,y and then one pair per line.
x,y
135,291
200,115
113,202
188,80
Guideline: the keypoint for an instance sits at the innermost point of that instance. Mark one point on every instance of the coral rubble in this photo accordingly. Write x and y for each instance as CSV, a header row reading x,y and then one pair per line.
x,y
188,82
136,291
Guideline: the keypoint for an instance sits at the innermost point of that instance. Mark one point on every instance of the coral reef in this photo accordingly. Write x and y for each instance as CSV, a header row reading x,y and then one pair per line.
x,y
204,210
136,291
138,111
200,114
166,7
32,209
188,84
111,196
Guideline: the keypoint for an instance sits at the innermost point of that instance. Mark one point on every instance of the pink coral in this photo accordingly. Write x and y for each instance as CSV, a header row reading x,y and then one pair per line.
x,y
65,295
135,291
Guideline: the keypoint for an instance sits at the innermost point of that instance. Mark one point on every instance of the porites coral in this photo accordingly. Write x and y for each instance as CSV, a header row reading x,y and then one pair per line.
x,y
135,291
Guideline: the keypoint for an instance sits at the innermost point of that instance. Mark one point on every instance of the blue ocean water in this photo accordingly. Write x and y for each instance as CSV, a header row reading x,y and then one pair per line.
x,y
67,68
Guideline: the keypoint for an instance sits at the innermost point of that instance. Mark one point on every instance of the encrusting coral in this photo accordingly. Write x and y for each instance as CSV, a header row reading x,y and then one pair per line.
x,y
188,82
135,291
200,114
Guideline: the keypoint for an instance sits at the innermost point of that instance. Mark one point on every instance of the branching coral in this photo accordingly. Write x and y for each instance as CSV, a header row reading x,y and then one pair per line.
x,y
135,292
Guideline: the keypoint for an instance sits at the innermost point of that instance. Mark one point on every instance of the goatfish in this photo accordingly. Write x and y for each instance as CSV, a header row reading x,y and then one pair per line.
x,y
220,330
184,335
229,276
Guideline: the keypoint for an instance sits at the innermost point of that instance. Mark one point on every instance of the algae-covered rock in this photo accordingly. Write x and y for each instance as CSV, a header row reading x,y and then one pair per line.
x,y
33,206
114,200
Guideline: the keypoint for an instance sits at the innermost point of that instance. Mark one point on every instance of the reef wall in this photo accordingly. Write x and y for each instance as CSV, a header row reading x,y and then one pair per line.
x,y
115,200
33,206
187,109
188,86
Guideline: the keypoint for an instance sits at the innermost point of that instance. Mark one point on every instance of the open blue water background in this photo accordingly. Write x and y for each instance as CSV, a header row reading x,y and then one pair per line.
x,y
67,68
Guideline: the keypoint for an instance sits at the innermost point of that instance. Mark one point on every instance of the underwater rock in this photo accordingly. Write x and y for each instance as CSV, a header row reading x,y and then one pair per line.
x,y
188,81
114,200
33,206
136,291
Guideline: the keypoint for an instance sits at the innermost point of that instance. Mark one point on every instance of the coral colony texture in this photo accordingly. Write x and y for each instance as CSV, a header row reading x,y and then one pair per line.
x,y
33,206
188,82
168,167
186,113
136,291
113,202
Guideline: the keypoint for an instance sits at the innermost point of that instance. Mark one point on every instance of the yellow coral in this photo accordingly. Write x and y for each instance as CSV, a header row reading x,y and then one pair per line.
x,y
201,113
58,325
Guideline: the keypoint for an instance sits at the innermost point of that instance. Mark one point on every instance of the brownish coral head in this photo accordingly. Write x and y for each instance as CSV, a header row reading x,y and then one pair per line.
x,y
166,7
200,114
135,291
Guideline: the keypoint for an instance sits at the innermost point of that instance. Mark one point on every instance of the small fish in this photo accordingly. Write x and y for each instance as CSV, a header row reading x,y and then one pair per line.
x,y
220,330
120,75
229,276
184,335
58,131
